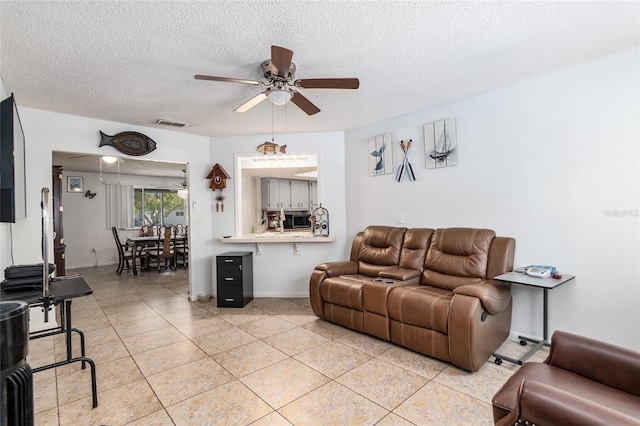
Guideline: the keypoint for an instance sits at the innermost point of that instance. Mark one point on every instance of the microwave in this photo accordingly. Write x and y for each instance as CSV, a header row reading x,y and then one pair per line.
x,y
297,221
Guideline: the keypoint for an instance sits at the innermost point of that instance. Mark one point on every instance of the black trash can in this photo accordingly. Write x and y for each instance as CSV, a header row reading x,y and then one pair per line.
x,y
16,377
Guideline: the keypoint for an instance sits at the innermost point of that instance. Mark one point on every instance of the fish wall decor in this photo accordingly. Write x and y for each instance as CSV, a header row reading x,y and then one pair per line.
x,y
130,143
271,148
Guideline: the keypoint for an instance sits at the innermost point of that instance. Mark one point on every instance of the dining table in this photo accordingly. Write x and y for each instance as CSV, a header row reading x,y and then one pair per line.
x,y
136,242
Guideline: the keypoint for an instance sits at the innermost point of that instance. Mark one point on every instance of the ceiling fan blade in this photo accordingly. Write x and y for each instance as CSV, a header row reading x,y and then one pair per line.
x,y
304,104
227,79
251,102
281,60
328,83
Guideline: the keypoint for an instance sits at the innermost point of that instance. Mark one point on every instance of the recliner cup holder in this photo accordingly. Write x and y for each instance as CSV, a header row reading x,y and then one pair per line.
x,y
381,280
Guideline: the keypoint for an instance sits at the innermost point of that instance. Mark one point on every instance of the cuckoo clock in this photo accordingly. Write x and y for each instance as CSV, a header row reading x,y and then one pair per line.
x,y
218,182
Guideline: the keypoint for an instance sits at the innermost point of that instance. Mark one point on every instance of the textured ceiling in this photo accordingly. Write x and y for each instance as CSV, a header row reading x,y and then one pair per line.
x,y
134,61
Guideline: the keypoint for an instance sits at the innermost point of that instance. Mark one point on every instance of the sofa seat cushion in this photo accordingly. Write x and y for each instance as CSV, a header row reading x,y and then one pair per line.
x,y
422,306
345,290
505,399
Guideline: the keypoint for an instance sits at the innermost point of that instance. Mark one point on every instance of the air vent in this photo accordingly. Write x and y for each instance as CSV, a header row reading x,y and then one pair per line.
x,y
170,123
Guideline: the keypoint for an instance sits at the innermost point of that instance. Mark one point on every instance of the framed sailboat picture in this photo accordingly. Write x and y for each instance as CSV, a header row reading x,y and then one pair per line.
x,y
380,160
440,144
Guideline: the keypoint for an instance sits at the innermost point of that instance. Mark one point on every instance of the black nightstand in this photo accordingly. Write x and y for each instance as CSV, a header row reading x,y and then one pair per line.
x,y
234,279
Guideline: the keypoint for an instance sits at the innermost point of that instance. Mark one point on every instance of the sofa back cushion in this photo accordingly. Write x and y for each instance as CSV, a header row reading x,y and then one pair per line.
x,y
457,256
414,248
380,249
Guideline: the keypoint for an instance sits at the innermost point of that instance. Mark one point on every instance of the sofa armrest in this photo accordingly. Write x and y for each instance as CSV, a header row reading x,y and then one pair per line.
x,y
538,403
494,295
401,274
601,362
335,269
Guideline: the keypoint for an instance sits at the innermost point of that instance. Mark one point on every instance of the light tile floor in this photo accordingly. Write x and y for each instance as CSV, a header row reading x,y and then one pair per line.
x,y
162,360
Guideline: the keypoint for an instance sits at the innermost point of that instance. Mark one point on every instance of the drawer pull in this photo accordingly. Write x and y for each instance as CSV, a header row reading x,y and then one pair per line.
x,y
228,260
228,279
229,300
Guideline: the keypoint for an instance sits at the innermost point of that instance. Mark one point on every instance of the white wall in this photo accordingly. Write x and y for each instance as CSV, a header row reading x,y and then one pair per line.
x,y
88,217
46,132
278,272
542,160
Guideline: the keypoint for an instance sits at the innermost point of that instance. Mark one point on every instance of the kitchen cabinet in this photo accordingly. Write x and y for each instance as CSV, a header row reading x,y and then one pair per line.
x,y
287,194
234,271
300,194
276,193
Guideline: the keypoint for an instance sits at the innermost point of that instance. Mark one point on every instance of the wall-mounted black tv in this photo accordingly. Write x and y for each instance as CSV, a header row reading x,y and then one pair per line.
x,y
13,196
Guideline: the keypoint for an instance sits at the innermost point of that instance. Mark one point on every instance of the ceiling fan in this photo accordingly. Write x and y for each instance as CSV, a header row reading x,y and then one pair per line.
x,y
280,85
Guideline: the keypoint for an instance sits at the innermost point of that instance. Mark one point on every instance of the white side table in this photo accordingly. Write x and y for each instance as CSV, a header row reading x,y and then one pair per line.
x,y
545,284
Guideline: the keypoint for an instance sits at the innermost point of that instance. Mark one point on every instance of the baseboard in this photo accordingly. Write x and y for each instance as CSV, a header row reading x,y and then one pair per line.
x,y
90,266
282,295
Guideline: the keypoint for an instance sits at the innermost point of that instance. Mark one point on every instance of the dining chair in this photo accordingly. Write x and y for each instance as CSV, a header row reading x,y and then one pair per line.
x,y
164,250
124,254
181,250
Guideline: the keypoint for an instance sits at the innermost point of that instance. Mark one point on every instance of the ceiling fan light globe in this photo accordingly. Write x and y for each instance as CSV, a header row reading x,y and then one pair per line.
x,y
279,96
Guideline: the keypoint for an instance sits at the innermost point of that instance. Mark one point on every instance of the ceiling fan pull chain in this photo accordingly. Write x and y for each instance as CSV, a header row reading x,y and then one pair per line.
x,y
272,125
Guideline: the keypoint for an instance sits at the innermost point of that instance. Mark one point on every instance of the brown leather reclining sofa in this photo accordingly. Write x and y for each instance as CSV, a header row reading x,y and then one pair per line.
x,y
428,290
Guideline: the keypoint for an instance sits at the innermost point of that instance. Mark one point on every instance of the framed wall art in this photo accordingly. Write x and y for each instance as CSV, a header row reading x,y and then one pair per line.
x,y
380,159
440,144
75,184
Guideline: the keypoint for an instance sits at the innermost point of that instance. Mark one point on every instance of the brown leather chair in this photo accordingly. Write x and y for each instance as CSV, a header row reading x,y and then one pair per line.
x,y
582,382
